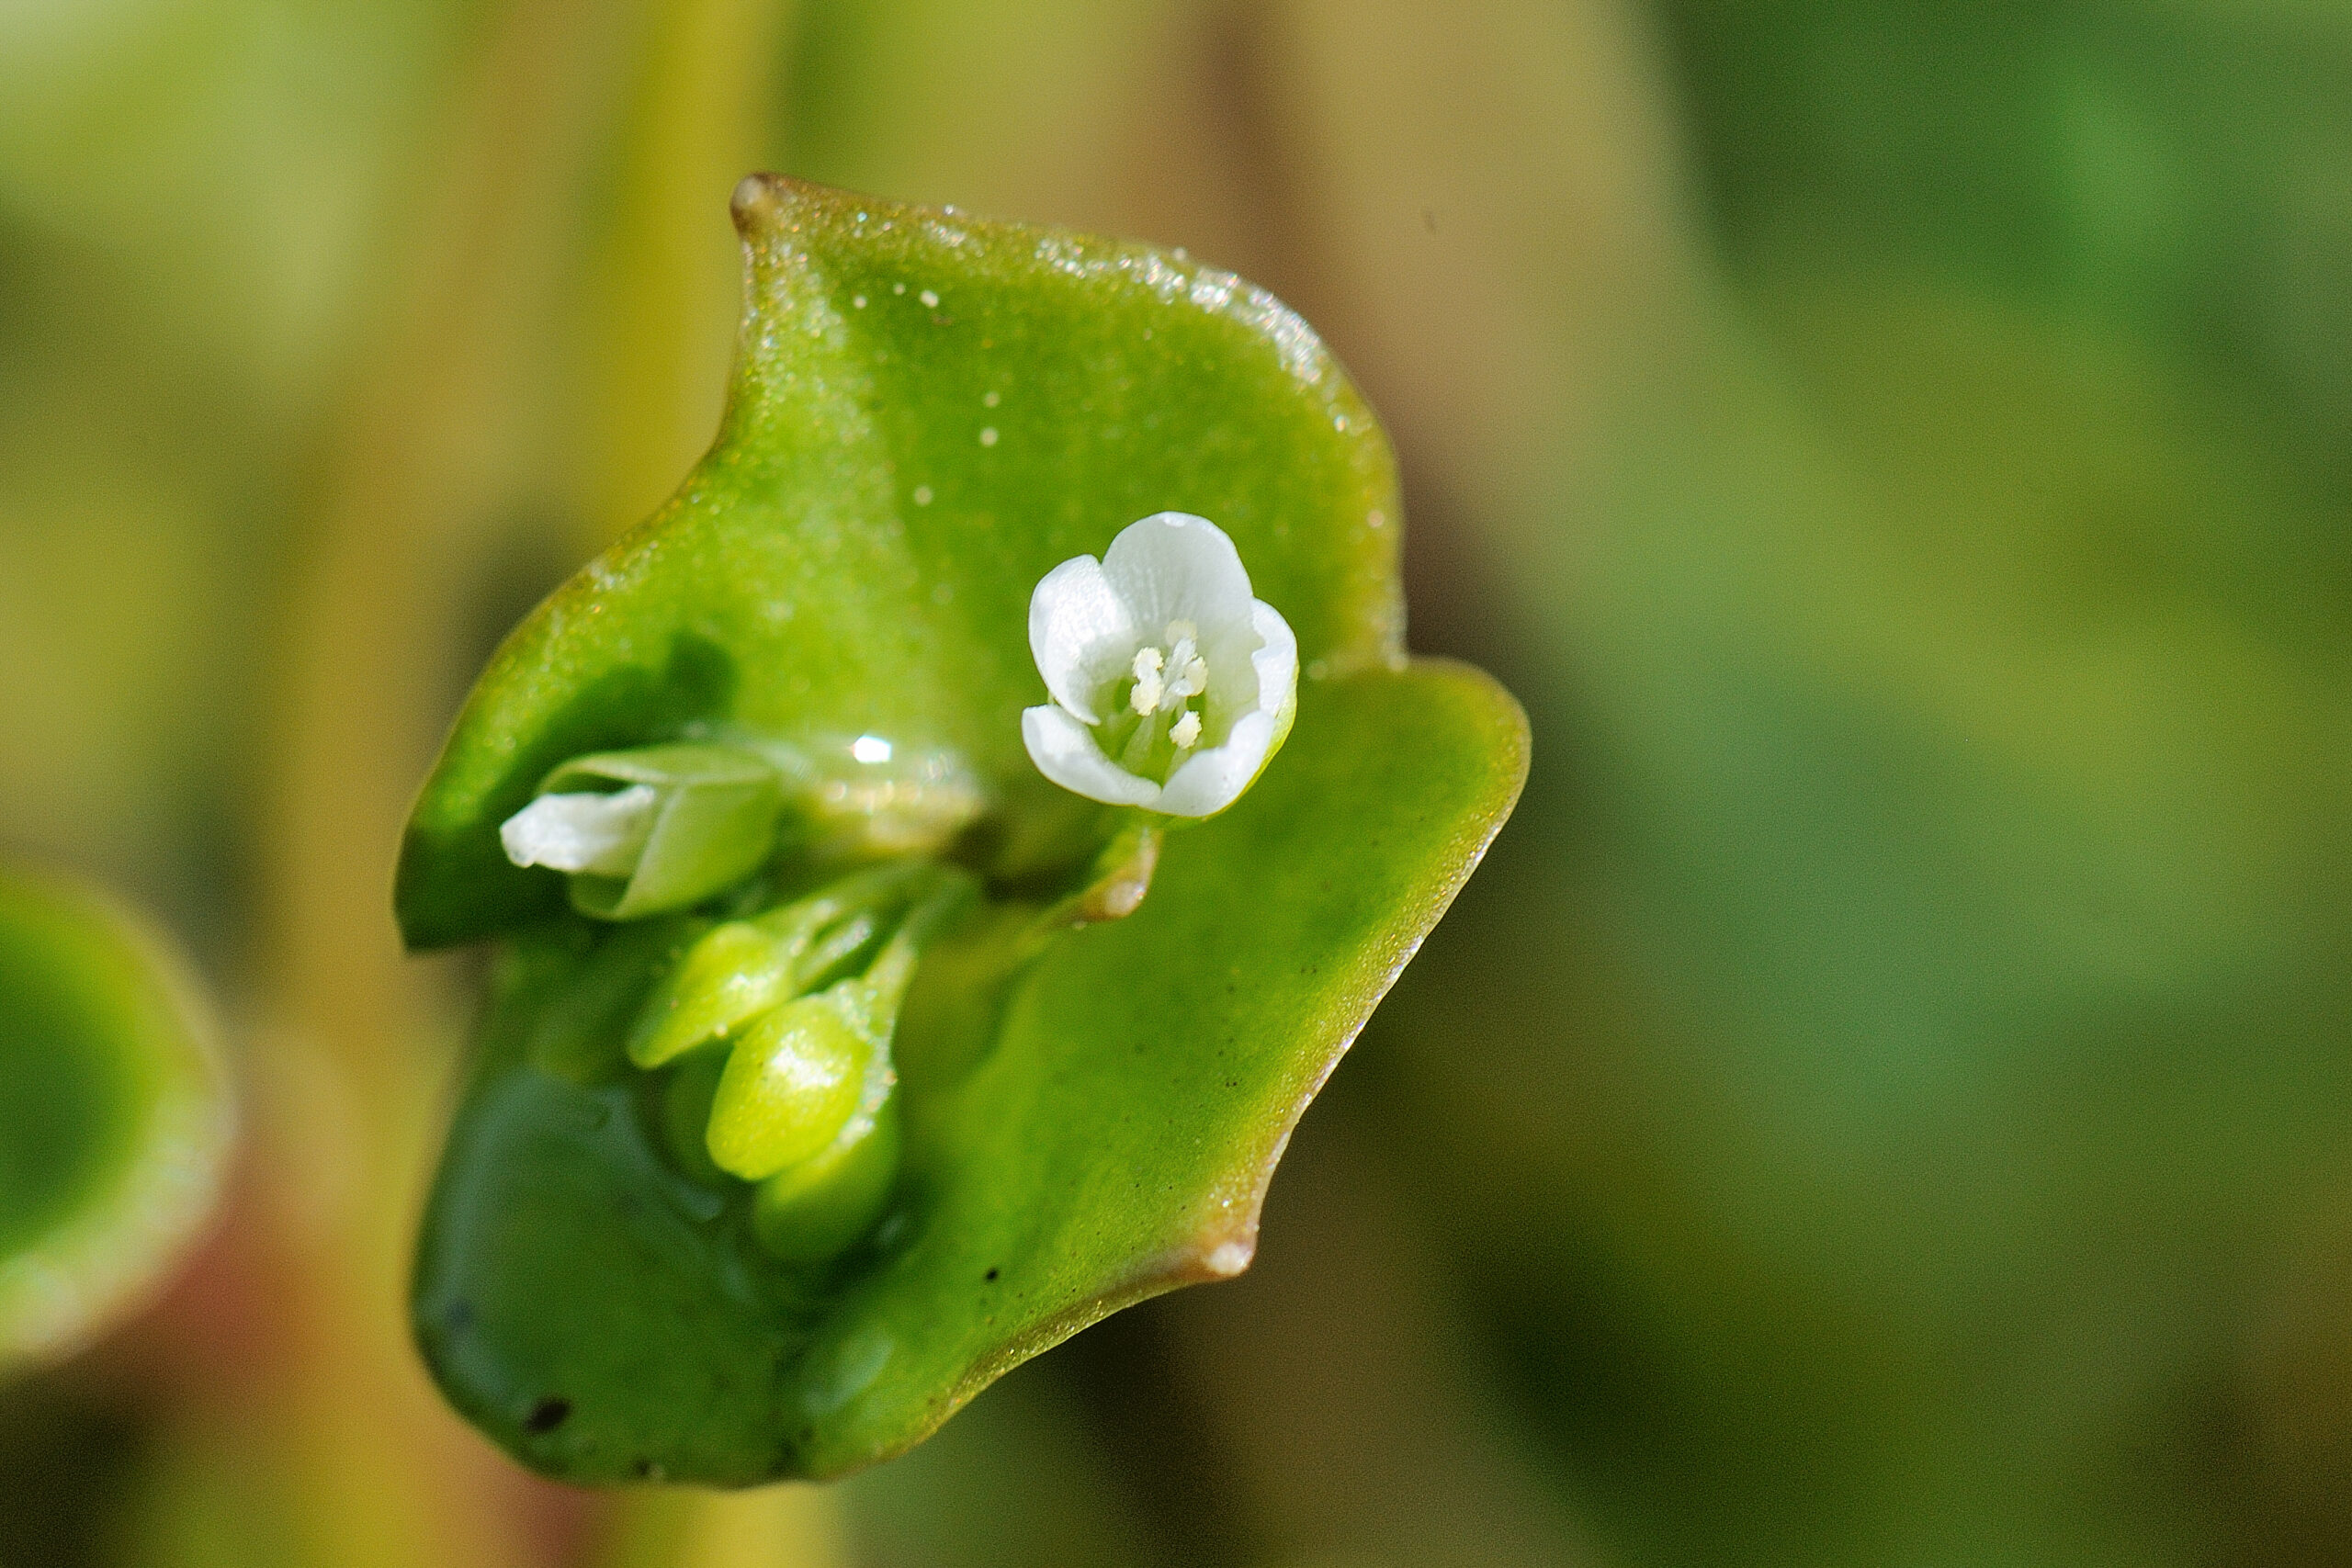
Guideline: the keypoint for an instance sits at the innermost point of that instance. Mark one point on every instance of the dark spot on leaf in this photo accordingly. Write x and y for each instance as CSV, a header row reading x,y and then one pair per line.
x,y
993,1273
460,1315
643,1468
547,1414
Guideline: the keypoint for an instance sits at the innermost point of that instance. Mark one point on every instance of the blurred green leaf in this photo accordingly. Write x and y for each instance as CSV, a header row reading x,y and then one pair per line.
x,y
262,135
2179,171
114,1113
930,413
1917,997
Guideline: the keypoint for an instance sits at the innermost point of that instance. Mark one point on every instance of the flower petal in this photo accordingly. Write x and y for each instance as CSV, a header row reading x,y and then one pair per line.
x,y
600,833
1173,566
1207,783
1078,630
1277,660
1065,751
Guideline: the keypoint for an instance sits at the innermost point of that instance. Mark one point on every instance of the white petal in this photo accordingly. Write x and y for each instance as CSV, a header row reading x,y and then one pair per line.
x,y
1233,679
1067,752
1078,632
1277,660
1207,783
604,834
1175,567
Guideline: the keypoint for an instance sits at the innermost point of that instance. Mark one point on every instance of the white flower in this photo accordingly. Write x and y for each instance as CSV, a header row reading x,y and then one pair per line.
x,y
1171,685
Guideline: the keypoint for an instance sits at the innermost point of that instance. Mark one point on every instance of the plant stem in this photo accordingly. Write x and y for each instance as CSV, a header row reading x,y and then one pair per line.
x,y
774,1526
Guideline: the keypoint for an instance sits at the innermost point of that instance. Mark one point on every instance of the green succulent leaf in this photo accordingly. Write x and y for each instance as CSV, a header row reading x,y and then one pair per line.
x,y
929,414
114,1113
855,554
605,1315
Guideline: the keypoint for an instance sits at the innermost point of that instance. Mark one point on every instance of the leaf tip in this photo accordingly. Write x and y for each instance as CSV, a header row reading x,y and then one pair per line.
x,y
757,197
1221,1251
1228,1258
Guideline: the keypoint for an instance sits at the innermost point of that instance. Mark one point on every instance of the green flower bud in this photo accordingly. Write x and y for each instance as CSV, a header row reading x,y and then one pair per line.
x,y
866,797
730,978
815,1067
823,1206
791,1085
744,968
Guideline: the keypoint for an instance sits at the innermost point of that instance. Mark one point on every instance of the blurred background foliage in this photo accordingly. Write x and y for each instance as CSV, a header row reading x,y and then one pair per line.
x,y
1882,1103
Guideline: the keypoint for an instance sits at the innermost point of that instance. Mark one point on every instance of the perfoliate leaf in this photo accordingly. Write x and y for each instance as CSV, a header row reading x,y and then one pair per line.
x,y
114,1113
929,414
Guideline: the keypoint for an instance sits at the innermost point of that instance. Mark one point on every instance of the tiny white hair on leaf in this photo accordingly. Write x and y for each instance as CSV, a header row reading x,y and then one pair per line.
x,y
1173,685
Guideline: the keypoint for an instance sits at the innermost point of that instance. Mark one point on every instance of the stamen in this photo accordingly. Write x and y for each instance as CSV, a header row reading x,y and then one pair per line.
x,y
1186,732
1189,674
1145,698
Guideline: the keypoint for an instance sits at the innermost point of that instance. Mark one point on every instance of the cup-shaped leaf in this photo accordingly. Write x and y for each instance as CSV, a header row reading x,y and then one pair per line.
x,y
929,414
114,1113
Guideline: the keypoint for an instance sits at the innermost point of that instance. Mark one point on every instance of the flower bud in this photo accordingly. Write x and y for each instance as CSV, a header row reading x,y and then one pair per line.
x,y
792,1084
733,975
823,1206
684,822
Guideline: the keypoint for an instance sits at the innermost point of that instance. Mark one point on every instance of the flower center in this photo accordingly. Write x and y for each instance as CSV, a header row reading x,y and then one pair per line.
x,y
1167,680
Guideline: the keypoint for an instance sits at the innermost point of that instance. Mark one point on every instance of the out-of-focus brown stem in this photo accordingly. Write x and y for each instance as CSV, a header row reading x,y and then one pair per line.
x,y
777,1526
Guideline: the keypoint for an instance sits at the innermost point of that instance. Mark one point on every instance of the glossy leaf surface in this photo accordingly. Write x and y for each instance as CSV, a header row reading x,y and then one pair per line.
x,y
606,1317
114,1114
892,478
930,413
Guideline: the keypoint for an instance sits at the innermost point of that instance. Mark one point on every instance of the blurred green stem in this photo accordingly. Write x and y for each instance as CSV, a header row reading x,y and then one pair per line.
x,y
665,272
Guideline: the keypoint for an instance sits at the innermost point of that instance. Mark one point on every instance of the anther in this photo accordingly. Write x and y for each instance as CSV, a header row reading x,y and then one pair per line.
x,y
1145,698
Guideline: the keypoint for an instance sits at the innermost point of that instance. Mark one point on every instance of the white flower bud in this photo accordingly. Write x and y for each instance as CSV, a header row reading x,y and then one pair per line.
x,y
600,834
